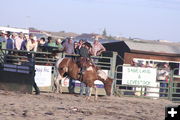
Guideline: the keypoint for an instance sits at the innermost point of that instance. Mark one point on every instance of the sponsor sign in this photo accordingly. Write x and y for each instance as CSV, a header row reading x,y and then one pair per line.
x,y
139,76
43,75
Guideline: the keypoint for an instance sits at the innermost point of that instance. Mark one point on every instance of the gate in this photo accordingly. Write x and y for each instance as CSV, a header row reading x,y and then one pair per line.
x,y
14,68
15,77
175,86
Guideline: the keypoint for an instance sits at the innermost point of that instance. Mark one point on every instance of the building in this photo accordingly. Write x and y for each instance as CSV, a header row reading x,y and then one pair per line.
x,y
88,37
146,52
13,29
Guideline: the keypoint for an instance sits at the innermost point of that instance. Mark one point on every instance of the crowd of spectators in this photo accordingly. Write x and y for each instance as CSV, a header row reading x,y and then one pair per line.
x,y
29,42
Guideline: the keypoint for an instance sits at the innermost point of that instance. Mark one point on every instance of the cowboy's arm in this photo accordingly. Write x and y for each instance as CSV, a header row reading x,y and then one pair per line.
x,y
92,52
101,50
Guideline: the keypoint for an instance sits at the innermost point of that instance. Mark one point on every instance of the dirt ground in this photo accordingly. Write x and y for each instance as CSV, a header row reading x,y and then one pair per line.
x,y
51,106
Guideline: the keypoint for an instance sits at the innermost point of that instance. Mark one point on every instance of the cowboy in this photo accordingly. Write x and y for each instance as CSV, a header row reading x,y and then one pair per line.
x,y
84,53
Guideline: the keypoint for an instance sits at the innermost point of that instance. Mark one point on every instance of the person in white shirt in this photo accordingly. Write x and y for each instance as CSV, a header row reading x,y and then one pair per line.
x,y
18,41
32,43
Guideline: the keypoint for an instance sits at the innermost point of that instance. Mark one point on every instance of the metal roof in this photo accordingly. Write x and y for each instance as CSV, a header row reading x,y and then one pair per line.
x,y
153,46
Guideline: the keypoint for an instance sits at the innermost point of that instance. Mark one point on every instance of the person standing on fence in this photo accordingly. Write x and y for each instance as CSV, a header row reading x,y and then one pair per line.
x,y
163,78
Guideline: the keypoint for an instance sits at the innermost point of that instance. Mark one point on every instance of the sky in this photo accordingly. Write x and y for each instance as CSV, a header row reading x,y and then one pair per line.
x,y
145,19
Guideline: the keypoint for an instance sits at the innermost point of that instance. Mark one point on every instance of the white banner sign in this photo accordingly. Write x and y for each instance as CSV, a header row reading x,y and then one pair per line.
x,y
43,75
139,76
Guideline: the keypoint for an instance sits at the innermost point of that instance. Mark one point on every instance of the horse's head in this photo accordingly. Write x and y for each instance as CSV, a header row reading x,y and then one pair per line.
x,y
106,80
108,85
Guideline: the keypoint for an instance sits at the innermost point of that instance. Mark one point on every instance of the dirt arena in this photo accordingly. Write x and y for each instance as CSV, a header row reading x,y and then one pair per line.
x,y
51,106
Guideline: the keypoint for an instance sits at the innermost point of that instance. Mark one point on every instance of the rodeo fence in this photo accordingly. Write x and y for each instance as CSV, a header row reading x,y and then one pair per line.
x,y
175,86
144,82
15,76
44,65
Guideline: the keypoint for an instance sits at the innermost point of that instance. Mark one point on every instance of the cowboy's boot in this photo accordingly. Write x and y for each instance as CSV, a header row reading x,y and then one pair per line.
x,y
37,91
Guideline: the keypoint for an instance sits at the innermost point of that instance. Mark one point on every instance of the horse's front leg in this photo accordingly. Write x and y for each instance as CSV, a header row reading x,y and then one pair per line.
x,y
88,93
58,84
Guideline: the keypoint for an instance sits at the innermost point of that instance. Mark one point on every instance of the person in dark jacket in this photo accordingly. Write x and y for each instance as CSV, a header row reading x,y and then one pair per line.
x,y
31,64
84,53
76,47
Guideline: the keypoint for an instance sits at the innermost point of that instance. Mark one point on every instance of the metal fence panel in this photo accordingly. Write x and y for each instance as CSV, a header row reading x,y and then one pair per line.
x,y
16,57
146,91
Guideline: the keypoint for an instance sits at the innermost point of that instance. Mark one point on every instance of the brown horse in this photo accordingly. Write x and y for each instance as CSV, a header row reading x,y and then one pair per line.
x,y
70,67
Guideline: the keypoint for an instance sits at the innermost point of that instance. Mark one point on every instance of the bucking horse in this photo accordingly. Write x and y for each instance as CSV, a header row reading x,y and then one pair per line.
x,y
69,67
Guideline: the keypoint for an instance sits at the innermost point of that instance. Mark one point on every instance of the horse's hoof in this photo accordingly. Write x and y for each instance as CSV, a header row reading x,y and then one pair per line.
x,y
87,98
95,100
56,92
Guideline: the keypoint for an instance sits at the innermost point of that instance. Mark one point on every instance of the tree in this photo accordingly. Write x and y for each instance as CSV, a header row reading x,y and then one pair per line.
x,y
104,32
110,37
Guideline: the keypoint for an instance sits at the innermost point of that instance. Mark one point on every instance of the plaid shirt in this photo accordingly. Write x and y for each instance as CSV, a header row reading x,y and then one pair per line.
x,y
97,47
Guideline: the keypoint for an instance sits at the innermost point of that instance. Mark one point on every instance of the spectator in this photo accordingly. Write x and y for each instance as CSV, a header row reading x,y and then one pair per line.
x,y
81,42
42,41
32,43
10,41
3,39
18,41
163,78
133,63
24,43
50,42
41,44
76,48
98,48
68,46
59,45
